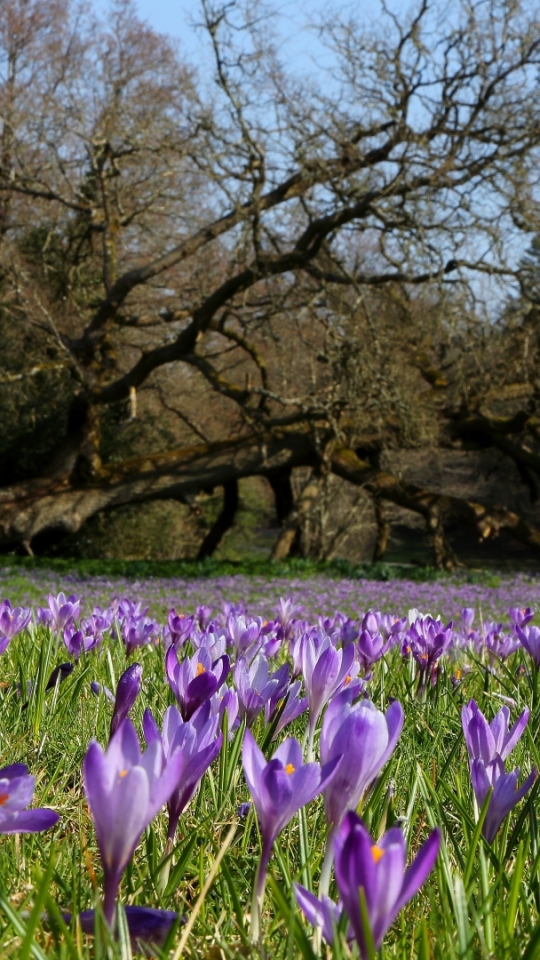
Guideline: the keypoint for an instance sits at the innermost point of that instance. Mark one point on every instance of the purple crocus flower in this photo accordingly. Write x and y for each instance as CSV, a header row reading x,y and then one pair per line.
x,y
204,614
321,913
59,611
196,679
125,790
244,635
488,746
371,647
16,792
294,707
137,631
79,641
505,794
12,621
128,608
521,617
180,627
498,644
255,687
100,688
279,788
530,640
148,928
59,674
484,740
326,670
127,691
379,870
367,738
197,742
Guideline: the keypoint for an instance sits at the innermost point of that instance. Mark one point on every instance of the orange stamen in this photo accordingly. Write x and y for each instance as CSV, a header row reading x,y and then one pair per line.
x,y
200,669
376,853
289,769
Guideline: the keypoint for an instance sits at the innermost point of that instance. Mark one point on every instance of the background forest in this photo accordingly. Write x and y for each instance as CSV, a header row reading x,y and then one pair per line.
x,y
264,315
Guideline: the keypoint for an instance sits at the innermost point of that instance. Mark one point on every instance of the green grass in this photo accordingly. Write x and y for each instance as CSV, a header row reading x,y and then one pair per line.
x,y
480,902
194,569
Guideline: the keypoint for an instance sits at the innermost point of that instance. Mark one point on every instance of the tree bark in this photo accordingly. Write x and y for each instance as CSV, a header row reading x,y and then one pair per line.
x,y
383,529
292,527
224,521
64,503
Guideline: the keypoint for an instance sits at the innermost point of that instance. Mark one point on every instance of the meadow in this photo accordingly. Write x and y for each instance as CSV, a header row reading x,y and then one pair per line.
x,y
237,766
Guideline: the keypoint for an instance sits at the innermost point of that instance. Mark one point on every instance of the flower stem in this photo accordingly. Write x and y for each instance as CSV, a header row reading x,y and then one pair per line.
x,y
326,869
111,882
259,884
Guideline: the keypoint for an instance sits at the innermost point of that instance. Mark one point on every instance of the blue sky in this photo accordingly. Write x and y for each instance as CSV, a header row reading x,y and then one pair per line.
x,y
299,43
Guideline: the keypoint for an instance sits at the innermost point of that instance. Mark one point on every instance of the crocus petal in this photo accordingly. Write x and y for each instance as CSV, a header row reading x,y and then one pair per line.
x,y
320,913
419,869
514,734
150,727
127,691
147,927
29,821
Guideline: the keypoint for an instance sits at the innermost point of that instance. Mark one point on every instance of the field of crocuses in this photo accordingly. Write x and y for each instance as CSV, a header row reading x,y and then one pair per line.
x,y
293,768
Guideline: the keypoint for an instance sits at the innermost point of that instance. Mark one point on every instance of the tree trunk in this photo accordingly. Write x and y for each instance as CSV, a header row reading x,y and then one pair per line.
x,y
383,529
292,527
223,523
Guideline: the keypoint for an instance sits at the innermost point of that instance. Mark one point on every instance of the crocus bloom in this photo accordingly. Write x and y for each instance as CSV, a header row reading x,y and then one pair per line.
x,y
484,740
100,688
366,738
326,670
204,615
148,927
137,631
180,627
379,870
60,611
279,788
505,794
62,671
322,913
244,635
196,679
12,621
127,691
520,617
497,643
371,647
125,790
79,641
16,792
294,707
488,745
530,640
255,687
198,745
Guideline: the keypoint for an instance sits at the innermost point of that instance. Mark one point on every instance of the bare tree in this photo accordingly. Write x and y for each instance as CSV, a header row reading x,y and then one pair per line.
x,y
220,262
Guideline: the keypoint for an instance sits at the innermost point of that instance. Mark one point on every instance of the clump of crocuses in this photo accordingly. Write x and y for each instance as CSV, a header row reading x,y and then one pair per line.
x,y
125,789
372,881
279,787
488,745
